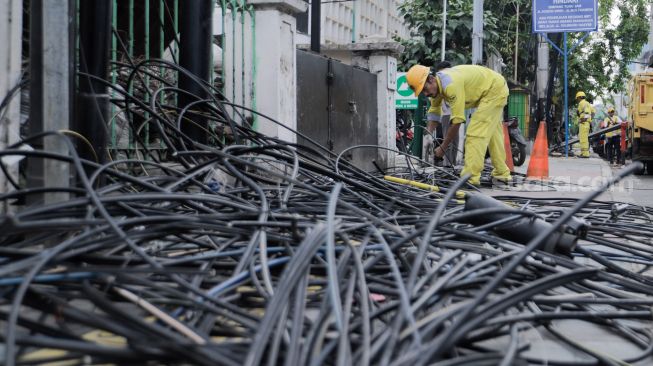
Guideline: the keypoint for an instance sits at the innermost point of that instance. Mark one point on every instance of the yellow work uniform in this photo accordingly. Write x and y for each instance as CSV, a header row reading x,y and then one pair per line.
x,y
584,120
434,115
609,122
472,86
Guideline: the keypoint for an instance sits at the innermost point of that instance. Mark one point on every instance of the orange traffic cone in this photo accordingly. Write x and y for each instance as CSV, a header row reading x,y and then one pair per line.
x,y
538,167
506,145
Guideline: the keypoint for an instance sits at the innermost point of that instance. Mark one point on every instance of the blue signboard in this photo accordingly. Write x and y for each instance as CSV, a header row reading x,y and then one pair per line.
x,y
557,16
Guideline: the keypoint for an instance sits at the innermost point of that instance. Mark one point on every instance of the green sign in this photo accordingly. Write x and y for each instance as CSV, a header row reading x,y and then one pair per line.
x,y
404,96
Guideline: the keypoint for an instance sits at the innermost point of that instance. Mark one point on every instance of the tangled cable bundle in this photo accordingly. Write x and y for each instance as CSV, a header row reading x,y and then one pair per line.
x,y
250,250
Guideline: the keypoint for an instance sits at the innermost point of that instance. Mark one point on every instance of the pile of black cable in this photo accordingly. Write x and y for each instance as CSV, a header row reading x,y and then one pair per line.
x,y
259,251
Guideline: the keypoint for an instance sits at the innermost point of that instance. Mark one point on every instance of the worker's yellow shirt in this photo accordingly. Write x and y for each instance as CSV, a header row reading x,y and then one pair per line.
x,y
584,111
462,87
609,122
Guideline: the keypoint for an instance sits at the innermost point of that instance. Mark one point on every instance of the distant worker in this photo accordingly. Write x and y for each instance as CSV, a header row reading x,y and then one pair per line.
x,y
464,87
613,138
584,112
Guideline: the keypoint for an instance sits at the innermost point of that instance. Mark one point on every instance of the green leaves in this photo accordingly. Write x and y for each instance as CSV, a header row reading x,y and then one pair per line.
x,y
602,66
424,18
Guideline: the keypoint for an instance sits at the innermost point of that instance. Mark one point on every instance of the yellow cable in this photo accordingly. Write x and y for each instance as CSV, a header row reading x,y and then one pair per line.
x,y
84,139
459,194
412,183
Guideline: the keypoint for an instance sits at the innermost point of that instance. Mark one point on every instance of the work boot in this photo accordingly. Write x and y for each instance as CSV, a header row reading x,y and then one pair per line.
x,y
502,183
485,181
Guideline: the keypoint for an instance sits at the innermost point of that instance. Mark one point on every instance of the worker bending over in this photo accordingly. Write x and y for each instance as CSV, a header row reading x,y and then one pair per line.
x,y
465,87
435,115
584,119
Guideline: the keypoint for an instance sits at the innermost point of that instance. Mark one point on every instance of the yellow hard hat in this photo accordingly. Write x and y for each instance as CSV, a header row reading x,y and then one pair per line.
x,y
416,77
610,110
580,94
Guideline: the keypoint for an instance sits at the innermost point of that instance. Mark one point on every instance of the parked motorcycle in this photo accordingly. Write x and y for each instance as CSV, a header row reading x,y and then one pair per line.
x,y
517,141
404,135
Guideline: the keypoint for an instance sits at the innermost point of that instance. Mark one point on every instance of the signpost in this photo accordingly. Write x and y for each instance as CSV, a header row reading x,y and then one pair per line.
x,y
555,16
563,16
404,96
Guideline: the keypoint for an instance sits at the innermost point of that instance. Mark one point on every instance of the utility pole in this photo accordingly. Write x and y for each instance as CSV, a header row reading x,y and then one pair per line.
x,y
542,75
195,56
444,28
477,33
316,20
516,42
92,96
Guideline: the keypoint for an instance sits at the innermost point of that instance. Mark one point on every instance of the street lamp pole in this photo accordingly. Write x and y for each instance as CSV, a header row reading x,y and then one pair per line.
x,y
516,42
477,33
444,29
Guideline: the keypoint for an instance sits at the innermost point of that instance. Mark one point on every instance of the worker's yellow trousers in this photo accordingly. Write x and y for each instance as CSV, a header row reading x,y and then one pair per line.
x,y
583,133
485,131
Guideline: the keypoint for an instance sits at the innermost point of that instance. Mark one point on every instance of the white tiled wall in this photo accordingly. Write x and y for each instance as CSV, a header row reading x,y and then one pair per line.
x,y
369,18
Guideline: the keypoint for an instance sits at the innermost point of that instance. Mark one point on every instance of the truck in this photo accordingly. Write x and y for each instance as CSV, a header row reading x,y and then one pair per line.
x,y
640,114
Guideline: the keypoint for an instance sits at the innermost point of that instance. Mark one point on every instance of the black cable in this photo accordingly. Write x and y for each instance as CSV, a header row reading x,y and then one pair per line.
x,y
246,243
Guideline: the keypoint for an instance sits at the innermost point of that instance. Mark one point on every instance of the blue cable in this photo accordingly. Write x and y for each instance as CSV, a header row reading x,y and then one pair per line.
x,y
45,278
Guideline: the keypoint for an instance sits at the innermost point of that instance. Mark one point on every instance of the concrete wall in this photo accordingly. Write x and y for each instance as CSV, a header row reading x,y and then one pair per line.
x,y
51,93
380,59
239,62
277,84
355,21
260,64
11,23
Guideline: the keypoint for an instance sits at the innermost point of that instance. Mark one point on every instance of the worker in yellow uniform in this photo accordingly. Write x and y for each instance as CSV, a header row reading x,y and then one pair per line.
x,y
584,112
612,138
439,117
465,87
434,115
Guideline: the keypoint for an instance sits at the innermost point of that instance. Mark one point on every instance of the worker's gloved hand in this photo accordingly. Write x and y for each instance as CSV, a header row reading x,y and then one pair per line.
x,y
439,152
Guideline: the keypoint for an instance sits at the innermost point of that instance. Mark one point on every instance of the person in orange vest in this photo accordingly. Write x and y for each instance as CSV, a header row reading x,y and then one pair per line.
x,y
465,87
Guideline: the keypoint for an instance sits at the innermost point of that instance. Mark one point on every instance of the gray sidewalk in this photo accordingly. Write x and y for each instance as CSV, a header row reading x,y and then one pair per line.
x,y
568,178
575,177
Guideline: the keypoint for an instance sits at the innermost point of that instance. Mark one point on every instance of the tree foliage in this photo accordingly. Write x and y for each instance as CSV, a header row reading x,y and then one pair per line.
x,y
424,18
599,66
